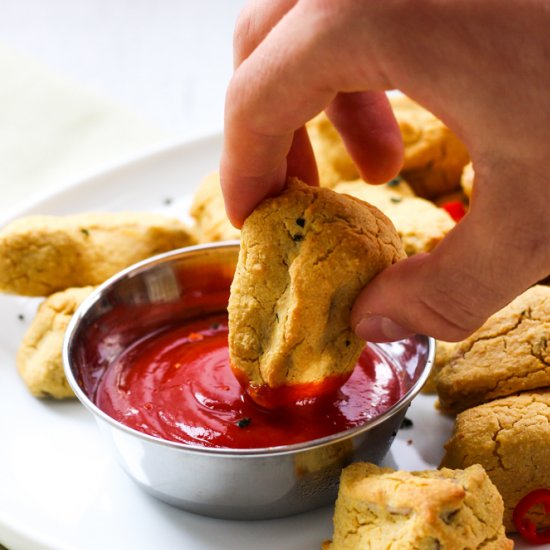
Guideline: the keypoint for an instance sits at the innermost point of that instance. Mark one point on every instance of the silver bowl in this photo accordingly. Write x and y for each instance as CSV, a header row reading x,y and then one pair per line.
x,y
224,483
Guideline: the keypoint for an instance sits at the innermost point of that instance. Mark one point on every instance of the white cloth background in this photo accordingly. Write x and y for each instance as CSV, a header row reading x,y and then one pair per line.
x,y
88,83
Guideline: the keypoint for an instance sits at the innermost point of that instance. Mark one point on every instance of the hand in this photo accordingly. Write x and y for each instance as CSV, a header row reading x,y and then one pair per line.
x,y
482,66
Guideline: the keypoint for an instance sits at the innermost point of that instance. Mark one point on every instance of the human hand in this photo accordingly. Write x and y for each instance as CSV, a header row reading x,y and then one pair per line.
x,y
482,66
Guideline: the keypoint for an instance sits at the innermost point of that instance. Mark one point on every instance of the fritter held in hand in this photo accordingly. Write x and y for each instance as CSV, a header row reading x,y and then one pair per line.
x,y
305,255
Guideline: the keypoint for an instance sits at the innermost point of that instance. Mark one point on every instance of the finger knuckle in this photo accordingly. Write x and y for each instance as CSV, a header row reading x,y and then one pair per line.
x,y
244,29
453,316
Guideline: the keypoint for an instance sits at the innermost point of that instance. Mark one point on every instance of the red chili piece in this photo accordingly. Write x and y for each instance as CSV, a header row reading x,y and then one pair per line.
x,y
526,528
455,209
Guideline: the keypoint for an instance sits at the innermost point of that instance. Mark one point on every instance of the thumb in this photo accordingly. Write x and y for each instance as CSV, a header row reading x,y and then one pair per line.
x,y
482,264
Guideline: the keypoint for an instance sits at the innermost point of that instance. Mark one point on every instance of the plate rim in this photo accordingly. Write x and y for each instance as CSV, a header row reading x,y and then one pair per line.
x,y
108,169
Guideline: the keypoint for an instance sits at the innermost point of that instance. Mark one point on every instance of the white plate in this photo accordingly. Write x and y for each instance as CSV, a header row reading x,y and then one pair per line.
x,y
59,488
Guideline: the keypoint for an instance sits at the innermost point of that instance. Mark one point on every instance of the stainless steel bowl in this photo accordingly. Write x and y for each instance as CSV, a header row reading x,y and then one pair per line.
x,y
225,483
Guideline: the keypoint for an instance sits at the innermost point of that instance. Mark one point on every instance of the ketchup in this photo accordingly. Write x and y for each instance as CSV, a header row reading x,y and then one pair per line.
x,y
177,384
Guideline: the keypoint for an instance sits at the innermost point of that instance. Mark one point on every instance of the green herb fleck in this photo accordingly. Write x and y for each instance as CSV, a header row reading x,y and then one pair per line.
x,y
215,326
243,422
85,231
301,222
396,200
297,238
394,182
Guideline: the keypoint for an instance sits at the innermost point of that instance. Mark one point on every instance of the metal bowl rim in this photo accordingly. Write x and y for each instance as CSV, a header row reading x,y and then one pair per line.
x,y
217,451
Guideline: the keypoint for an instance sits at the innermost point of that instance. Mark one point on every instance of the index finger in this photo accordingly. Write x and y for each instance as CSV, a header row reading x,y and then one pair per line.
x,y
294,73
265,103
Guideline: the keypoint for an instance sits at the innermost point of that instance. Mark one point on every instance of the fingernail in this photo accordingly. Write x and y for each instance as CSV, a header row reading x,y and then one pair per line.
x,y
380,329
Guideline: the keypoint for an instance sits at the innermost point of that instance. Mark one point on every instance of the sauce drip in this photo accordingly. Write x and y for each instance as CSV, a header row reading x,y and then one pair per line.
x,y
177,384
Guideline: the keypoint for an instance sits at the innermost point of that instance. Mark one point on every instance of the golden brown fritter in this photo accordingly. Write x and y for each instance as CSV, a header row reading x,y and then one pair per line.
x,y
305,255
208,211
434,156
40,255
508,354
510,438
380,508
467,180
39,358
419,223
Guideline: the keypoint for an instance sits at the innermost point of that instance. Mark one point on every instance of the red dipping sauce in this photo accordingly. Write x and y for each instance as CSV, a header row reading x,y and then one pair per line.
x,y
177,384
